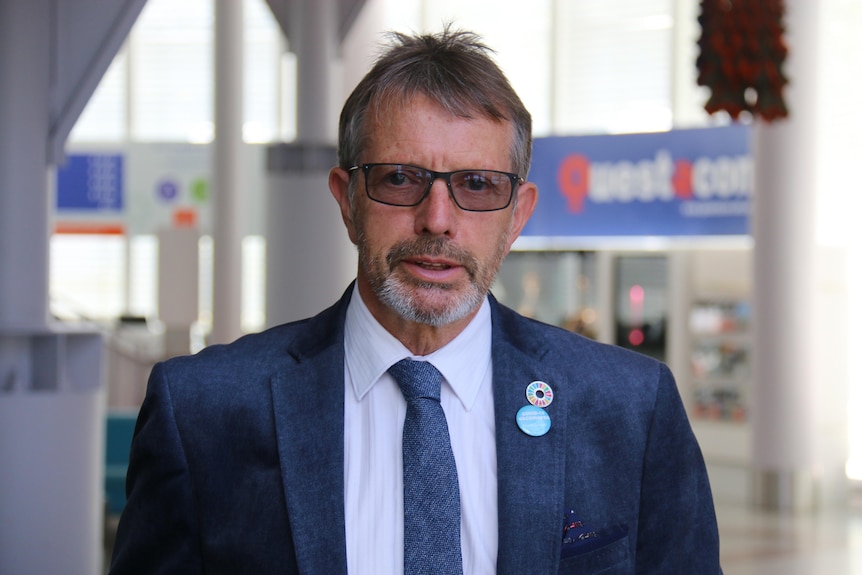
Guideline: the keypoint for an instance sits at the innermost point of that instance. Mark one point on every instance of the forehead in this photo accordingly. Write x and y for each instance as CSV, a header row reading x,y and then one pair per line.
x,y
421,131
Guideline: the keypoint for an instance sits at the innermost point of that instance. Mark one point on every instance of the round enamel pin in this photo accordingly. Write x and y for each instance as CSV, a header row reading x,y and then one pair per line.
x,y
533,421
540,394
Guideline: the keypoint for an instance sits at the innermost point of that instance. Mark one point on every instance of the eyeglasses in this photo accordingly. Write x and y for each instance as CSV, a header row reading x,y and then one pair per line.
x,y
405,185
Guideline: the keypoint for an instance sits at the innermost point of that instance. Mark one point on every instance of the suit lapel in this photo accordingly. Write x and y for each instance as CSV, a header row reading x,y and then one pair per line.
x,y
308,400
530,470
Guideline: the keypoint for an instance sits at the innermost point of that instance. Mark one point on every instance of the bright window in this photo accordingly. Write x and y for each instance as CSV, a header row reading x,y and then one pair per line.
x,y
87,276
160,87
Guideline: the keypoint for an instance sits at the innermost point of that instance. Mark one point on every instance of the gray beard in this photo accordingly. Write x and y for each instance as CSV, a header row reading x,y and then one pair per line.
x,y
397,294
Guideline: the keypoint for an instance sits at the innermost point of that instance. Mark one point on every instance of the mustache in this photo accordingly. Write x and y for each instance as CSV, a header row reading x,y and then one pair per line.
x,y
432,247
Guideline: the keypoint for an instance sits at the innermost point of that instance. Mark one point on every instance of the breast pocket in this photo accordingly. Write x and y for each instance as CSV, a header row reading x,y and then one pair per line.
x,y
610,559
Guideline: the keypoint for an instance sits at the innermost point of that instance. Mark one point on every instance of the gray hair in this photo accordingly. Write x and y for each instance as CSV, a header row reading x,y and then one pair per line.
x,y
453,69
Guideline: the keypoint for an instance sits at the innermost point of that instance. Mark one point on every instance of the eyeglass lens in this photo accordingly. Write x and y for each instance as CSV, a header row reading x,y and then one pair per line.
x,y
404,185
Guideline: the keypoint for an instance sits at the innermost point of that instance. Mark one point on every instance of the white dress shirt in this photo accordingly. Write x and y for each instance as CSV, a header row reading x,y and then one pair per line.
x,y
374,411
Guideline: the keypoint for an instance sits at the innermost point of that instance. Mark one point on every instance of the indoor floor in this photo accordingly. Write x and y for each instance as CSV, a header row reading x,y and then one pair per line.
x,y
764,543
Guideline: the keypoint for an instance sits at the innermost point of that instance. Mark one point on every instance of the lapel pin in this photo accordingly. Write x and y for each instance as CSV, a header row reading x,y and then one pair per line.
x,y
533,421
540,394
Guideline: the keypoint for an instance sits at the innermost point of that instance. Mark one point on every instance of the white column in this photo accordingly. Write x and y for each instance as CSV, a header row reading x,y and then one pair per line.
x,y
314,42
51,401
25,69
309,260
227,173
784,415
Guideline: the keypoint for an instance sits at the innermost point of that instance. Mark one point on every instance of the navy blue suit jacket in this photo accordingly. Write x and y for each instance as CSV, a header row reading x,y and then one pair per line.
x,y
237,459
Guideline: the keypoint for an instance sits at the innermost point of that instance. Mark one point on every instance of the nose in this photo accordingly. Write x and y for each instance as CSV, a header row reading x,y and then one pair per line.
x,y
436,215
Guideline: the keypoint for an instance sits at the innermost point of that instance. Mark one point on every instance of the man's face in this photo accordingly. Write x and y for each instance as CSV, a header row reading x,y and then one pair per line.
x,y
432,263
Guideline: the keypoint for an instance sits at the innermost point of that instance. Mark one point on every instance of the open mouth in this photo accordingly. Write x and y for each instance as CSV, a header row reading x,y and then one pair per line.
x,y
432,265
432,270
431,260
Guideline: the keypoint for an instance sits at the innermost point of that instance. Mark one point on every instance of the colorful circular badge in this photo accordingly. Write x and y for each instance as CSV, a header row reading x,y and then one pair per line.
x,y
540,394
533,421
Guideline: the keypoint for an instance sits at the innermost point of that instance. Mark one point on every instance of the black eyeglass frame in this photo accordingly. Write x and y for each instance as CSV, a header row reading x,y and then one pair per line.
x,y
515,180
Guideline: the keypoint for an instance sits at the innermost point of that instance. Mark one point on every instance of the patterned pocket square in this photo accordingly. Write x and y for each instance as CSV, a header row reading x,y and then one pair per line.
x,y
579,538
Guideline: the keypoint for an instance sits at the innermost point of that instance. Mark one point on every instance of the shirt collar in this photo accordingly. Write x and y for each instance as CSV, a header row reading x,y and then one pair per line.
x,y
370,350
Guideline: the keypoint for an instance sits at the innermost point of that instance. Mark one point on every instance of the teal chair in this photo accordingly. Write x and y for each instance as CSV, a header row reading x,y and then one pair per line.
x,y
120,425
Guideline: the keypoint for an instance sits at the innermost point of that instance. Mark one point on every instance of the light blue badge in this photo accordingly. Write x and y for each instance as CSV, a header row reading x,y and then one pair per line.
x,y
533,420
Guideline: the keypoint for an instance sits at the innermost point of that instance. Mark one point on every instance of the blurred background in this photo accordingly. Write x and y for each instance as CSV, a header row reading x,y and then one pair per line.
x,y
184,125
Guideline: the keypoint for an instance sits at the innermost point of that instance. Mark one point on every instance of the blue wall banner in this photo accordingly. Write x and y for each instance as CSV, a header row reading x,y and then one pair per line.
x,y
680,183
91,182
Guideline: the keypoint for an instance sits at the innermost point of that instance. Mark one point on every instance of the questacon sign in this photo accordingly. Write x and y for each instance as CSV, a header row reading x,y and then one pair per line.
x,y
680,183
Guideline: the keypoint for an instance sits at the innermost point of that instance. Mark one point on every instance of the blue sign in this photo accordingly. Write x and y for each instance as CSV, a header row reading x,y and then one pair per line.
x,y
678,183
91,183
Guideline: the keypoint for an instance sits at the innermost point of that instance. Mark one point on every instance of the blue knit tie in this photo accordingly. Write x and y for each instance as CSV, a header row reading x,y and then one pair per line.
x,y
432,504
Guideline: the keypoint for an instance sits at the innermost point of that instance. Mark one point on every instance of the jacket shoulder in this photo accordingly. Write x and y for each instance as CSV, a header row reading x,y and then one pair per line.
x,y
558,343
272,348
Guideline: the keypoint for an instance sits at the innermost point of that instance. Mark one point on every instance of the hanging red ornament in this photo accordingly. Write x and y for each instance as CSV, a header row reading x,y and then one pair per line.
x,y
742,52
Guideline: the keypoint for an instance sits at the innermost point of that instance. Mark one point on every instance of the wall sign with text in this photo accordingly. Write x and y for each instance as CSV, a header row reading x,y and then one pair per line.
x,y
91,182
680,183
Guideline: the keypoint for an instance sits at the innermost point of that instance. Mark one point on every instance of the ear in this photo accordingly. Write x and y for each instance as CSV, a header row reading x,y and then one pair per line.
x,y
339,186
528,195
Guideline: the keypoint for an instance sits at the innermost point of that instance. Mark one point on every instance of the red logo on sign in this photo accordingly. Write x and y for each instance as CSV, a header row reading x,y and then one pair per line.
x,y
573,178
682,180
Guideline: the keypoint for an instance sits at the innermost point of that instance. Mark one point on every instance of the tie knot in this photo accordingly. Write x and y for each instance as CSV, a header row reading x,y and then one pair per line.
x,y
417,379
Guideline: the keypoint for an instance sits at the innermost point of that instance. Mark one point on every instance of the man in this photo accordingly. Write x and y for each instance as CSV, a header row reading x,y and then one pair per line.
x,y
297,450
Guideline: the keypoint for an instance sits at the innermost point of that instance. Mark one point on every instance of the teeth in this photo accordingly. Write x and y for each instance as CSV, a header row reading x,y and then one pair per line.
x,y
434,266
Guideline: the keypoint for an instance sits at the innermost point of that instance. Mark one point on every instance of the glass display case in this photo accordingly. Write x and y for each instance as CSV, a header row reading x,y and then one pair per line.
x,y
720,359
